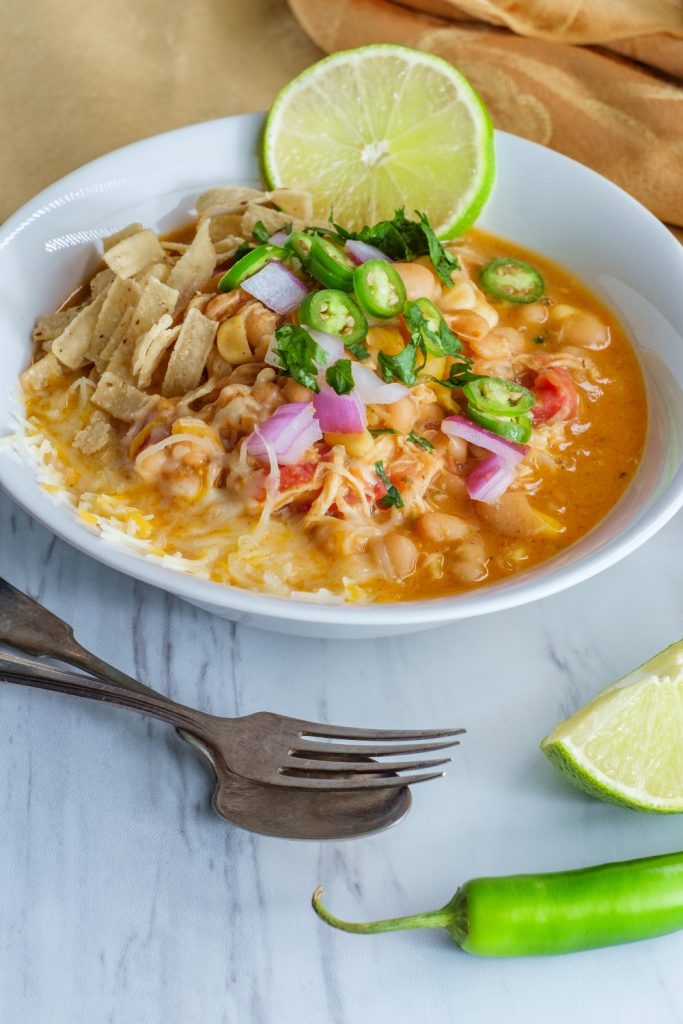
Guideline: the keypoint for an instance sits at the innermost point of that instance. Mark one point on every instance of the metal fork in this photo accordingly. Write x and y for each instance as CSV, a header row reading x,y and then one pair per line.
x,y
264,748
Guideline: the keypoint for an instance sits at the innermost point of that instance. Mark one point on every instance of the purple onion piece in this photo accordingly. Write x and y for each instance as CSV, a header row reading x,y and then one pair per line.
x,y
276,287
458,426
340,414
290,431
490,479
361,252
372,388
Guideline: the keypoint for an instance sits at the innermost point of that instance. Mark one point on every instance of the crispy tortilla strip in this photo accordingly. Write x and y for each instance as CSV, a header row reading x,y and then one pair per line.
x,y
272,220
73,343
189,354
228,197
101,281
225,225
159,270
155,300
293,201
118,236
95,436
134,253
122,295
117,337
120,400
150,347
51,325
228,246
40,374
174,248
121,362
194,267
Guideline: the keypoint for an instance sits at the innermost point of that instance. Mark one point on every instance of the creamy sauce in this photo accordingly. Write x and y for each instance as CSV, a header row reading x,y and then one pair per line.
x,y
578,470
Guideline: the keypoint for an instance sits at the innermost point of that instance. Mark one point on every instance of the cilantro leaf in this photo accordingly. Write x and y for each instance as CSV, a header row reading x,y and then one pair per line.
x,y
399,238
436,338
392,499
259,232
242,250
357,349
444,262
402,367
459,374
422,441
339,376
299,355
378,431
403,239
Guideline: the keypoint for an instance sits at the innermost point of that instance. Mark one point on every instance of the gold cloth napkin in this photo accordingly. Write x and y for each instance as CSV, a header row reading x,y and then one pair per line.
x,y
81,78
599,80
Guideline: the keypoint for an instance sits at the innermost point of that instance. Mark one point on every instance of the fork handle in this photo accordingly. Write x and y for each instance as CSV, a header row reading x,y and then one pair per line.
x,y
14,668
31,628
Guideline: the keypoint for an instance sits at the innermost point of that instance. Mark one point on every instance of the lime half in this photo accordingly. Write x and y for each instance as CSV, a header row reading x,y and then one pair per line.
x,y
626,746
368,131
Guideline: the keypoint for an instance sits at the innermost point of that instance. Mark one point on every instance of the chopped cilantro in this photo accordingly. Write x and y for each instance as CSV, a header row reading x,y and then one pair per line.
x,y
422,441
339,376
392,499
242,250
539,339
402,367
299,355
260,232
444,262
403,239
357,349
378,431
459,374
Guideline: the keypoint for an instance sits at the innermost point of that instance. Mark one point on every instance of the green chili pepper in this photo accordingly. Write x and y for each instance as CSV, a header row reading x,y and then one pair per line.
x,y
379,288
299,242
547,914
334,312
512,280
248,265
498,397
428,328
329,265
512,429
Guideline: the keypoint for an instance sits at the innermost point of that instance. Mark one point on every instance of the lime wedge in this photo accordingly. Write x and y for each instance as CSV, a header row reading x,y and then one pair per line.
x,y
368,131
626,746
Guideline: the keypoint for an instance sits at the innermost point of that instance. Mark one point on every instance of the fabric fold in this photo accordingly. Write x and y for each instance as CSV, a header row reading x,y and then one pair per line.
x,y
602,83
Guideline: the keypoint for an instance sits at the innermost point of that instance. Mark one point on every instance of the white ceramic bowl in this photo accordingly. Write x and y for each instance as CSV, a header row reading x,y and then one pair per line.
x,y
541,200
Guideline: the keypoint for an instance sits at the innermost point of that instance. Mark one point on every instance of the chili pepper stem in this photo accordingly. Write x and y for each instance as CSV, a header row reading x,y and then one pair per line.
x,y
451,917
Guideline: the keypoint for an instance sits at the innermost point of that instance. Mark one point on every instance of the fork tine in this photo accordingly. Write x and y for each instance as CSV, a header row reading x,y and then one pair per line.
x,y
297,768
334,732
390,782
307,748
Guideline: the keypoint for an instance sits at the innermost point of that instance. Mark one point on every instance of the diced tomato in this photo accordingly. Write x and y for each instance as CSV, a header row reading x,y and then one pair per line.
x,y
293,476
379,491
556,396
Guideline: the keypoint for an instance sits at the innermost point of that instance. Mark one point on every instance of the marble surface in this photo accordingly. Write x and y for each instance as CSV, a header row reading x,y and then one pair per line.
x,y
124,899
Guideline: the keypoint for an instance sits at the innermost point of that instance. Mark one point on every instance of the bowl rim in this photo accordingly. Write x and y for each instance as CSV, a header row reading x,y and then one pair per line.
x,y
516,591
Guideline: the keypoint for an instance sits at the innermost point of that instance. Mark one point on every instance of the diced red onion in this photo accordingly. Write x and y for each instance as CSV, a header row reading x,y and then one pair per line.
x,y
372,388
279,238
333,345
490,479
340,414
458,426
276,287
290,431
361,252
